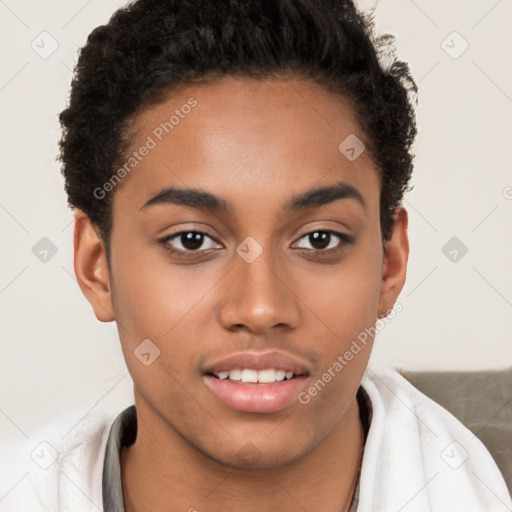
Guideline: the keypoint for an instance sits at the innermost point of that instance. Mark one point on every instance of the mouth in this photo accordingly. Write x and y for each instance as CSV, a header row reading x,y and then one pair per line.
x,y
257,383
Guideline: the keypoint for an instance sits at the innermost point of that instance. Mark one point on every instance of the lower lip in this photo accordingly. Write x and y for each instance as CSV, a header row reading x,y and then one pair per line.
x,y
253,397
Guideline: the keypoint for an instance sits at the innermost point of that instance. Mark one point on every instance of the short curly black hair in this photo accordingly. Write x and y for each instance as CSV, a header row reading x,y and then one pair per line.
x,y
150,46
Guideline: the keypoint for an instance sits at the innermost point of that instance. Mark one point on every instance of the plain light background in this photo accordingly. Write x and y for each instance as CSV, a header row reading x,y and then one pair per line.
x,y
58,358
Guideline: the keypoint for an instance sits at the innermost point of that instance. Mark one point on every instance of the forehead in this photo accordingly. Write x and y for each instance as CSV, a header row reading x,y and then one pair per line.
x,y
244,138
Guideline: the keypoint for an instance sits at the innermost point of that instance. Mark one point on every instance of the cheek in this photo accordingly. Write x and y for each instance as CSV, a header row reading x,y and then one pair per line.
x,y
346,296
346,306
151,296
153,301
152,305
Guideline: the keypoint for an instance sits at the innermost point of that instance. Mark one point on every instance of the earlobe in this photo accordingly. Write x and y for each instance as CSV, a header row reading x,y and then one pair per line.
x,y
91,269
394,267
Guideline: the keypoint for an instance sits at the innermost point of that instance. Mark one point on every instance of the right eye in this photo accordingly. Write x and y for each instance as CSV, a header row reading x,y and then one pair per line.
x,y
190,242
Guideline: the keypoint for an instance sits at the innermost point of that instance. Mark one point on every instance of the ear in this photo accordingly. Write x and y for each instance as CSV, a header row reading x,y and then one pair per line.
x,y
394,267
91,270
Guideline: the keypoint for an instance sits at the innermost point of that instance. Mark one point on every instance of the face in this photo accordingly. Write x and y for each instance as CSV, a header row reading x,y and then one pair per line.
x,y
265,272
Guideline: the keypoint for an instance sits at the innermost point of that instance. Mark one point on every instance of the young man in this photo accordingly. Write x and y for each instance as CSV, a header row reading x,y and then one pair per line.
x,y
237,169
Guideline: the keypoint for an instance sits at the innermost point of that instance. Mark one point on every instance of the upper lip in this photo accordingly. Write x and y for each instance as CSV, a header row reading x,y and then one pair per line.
x,y
258,361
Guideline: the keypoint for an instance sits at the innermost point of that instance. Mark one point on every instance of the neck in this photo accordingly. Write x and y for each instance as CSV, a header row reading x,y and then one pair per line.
x,y
324,479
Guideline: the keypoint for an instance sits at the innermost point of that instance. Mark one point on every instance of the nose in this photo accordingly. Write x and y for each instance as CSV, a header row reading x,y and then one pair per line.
x,y
259,295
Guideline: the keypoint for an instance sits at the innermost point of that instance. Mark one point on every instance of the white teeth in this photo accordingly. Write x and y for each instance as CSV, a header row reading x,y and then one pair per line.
x,y
249,376
266,376
235,374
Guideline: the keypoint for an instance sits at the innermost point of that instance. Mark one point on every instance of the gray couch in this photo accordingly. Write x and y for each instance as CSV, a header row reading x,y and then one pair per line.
x,y
480,400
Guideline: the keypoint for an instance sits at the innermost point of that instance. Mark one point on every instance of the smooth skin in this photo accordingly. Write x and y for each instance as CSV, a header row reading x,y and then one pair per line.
x,y
256,144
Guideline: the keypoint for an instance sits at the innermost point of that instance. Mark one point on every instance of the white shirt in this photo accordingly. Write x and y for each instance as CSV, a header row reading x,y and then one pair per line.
x,y
417,457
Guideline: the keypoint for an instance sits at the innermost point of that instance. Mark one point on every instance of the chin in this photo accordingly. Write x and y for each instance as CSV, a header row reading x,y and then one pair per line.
x,y
249,456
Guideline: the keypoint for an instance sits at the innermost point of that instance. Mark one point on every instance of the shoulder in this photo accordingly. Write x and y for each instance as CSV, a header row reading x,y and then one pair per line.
x,y
416,446
58,466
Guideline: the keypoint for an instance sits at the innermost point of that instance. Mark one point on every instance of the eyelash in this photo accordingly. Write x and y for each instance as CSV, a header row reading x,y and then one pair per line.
x,y
345,240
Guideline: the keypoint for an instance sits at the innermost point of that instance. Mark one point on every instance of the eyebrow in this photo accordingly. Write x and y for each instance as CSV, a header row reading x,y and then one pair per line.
x,y
200,199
